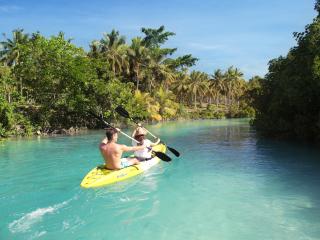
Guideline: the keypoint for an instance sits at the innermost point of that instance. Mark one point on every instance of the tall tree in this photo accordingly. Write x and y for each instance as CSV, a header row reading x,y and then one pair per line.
x,y
11,48
232,82
155,37
217,82
113,49
181,86
166,100
289,101
184,61
138,57
197,84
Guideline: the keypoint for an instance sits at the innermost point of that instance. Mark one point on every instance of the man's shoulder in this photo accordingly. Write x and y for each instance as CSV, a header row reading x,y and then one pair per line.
x,y
121,146
113,145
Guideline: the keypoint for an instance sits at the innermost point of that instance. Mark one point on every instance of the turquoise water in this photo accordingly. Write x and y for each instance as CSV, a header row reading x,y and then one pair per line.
x,y
228,184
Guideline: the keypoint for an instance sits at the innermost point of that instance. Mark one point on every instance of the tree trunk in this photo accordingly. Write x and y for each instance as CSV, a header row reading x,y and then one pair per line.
x,y
137,79
149,85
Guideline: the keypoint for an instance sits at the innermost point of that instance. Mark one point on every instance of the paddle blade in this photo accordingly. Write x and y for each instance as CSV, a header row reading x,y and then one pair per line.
x,y
162,156
175,152
121,111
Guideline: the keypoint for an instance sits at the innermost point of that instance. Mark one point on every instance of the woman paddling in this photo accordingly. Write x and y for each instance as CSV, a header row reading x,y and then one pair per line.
x,y
139,134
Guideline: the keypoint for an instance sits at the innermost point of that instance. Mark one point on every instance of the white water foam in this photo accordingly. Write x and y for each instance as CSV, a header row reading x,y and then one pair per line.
x,y
38,234
24,223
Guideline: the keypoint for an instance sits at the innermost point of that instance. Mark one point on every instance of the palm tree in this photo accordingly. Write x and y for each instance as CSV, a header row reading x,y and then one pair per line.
x,y
155,37
138,56
95,49
10,49
158,71
163,73
166,100
152,106
181,86
197,84
111,47
210,91
217,83
232,77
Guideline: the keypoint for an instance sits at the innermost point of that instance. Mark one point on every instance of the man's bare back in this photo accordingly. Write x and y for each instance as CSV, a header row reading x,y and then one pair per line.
x,y
112,152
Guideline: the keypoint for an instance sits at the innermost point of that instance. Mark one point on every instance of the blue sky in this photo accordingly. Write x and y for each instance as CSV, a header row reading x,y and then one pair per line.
x,y
243,33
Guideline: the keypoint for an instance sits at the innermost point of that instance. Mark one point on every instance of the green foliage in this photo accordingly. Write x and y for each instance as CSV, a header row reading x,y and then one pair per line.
x,y
168,106
56,76
47,84
155,37
288,102
117,93
12,123
182,111
10,48
246,112
181,62
317,6
212,112
7,84
6,115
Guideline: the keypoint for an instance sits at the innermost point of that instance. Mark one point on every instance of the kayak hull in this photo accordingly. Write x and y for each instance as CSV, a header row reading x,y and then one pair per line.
x,y
99,176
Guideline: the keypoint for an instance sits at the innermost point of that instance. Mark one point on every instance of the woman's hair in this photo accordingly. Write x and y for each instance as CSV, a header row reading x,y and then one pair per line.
x,y
110,132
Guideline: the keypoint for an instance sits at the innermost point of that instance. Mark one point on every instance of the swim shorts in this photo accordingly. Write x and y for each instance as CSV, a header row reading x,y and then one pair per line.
x,y
125,163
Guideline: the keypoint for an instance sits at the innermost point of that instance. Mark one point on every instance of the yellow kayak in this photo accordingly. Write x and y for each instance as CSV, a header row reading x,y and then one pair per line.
x,y
99,176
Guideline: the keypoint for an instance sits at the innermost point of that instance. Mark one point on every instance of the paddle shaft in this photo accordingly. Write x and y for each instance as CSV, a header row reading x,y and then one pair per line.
x,y
108,124
129,137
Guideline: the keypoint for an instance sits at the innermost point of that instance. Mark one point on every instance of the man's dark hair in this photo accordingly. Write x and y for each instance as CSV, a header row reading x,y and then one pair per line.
x,y
110,132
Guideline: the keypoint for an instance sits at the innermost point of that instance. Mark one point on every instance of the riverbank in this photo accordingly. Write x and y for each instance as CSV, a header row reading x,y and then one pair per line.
x,y
80,130
205,111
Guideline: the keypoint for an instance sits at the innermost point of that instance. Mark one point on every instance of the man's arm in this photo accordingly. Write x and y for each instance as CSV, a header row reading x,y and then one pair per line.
x,y
125,148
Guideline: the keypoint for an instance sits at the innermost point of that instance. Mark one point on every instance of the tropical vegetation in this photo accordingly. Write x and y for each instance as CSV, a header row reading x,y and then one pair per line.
x,y
287,100
48,84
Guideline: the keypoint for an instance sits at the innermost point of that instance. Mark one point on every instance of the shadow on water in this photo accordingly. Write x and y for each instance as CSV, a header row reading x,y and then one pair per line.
x,y
297,165
294,168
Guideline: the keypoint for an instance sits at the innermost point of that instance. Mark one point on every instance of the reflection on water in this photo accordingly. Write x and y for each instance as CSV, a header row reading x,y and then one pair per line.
x,y
227,184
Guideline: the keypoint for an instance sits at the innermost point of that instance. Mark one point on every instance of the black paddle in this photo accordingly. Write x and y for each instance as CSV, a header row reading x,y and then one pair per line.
x,y
161,155
125,114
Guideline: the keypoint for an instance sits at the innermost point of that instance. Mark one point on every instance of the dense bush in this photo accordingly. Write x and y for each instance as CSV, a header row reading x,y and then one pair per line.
x,y
288,102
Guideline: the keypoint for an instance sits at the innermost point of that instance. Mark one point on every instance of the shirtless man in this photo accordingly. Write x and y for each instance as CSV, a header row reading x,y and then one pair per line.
x,y
112,151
